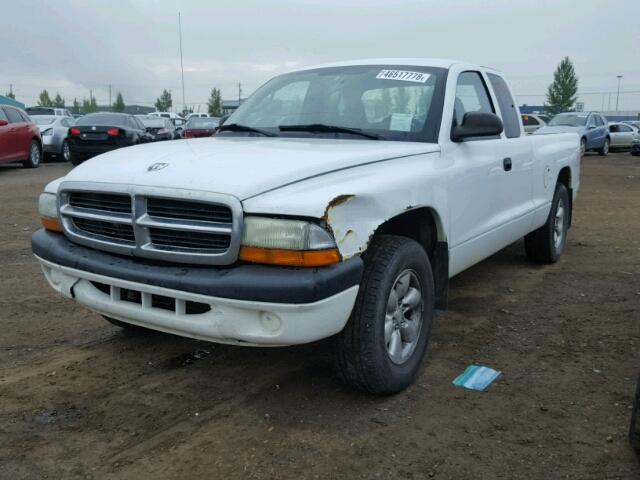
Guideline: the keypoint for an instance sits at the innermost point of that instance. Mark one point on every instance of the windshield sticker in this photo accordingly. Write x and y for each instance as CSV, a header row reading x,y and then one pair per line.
x,y
403,75
401,122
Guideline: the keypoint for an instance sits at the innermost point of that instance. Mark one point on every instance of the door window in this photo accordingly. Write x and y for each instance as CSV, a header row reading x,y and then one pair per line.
x,y
624,129
507,106
599,121
528,121
13,115
471,96
2,115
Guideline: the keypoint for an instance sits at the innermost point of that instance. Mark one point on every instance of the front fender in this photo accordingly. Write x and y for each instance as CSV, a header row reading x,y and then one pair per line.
x,y
353,203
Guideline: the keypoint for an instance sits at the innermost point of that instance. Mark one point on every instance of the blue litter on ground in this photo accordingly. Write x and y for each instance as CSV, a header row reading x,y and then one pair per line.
x,y
476,377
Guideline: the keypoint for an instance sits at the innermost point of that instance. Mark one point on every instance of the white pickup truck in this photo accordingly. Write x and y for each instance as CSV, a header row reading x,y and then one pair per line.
x,y
337,201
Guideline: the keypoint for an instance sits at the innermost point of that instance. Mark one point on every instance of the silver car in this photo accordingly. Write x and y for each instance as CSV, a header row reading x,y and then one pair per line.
x,y
54,131
623,135
533,121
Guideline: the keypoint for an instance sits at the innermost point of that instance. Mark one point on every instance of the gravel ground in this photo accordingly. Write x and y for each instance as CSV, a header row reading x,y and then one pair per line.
x,y
79,398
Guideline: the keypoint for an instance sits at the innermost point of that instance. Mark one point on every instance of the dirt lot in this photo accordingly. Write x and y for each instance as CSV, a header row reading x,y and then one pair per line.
x,y
81,399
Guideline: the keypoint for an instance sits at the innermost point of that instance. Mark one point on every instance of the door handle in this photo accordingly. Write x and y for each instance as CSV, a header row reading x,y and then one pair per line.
x,y
506,164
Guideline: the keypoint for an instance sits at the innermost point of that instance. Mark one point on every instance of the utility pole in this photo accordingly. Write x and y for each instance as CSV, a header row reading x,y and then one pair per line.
x,y
109,94
618,94
11,88
184,103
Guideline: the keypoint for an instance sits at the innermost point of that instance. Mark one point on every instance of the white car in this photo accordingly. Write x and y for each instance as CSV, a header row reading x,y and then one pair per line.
x,y
623,135
337,201
197,115
533,121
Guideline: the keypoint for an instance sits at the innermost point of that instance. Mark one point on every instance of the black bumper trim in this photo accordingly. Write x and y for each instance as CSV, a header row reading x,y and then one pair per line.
x,y
259,283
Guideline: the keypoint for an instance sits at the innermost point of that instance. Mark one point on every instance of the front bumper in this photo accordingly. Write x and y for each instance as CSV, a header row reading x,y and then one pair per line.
x,y
244,304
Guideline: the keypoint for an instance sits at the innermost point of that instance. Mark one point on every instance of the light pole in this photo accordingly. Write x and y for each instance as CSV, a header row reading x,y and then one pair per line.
x,y
618,94
184,103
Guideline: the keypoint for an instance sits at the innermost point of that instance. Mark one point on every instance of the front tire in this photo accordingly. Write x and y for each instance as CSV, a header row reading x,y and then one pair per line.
x,y
65,151
604,150
35,155
384,342
546,244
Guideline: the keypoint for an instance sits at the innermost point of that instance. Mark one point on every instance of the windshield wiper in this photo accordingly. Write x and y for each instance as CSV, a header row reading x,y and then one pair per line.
x,y
322,128
236,127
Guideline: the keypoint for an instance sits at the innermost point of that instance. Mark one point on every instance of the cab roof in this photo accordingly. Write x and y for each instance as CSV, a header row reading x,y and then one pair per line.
x,y
418,62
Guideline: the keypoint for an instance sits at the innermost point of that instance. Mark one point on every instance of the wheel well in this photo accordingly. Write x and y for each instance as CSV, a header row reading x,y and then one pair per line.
x,y
423,225
564,177
420,224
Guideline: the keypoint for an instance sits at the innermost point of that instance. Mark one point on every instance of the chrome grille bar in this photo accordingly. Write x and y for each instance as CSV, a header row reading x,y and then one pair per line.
x,y
173,225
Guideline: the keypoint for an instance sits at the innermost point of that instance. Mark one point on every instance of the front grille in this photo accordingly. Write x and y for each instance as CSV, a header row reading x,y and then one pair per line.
x,y
105,202
187,210
153,300
175,239
110,230
189,227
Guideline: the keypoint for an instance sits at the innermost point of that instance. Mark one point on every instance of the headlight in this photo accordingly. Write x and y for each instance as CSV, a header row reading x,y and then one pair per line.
x,y
48,210
47,132
287,242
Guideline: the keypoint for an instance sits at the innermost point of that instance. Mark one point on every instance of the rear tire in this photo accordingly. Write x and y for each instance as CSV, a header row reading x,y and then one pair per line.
x,y
65,151
35,155
604,151
75,159
546,244
385,340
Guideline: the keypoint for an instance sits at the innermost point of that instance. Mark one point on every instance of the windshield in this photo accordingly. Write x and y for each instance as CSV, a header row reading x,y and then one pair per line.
x,y
196,122
394,103
43,120
570,119
105,119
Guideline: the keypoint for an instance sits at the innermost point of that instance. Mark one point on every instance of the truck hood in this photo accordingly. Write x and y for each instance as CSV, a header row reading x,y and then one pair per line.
x,y
239,166
558,129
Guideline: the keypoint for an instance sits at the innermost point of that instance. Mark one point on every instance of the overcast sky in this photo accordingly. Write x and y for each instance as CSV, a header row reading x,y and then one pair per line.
x,y
74,46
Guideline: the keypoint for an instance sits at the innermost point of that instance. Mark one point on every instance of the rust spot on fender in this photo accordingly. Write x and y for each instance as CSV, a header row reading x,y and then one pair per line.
x,y
334,203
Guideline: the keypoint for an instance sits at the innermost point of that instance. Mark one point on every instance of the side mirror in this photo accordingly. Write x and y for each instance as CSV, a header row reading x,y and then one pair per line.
x,y
3,122
591,127
477,124
223,119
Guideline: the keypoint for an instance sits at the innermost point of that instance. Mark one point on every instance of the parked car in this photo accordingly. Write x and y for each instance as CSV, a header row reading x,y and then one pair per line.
x,y
200,127
328,211
590,126
19,138
56,112
199,115
622,135
54,132
96,133
635,148
633,123
160,128
533,121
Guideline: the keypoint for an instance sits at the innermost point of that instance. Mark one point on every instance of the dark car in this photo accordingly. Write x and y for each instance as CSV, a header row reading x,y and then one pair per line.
x,y
98,133
160,128
201,127
635,148
20,139
634,429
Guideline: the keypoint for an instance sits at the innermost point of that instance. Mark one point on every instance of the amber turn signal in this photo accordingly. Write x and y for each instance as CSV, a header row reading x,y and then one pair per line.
x,y
51,224
290,258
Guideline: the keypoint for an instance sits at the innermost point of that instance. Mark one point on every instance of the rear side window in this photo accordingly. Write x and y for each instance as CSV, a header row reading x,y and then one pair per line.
x,y
24,116
507,106
13,115
471,96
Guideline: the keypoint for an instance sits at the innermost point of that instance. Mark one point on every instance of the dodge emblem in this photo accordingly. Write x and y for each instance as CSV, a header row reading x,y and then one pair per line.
x,y
156,166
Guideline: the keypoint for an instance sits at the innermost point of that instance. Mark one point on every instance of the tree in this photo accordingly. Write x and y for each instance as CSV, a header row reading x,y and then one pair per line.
x,y
118,105
561,95
58,101
164,102
10,94
89,106
44,100
214,105
76,106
